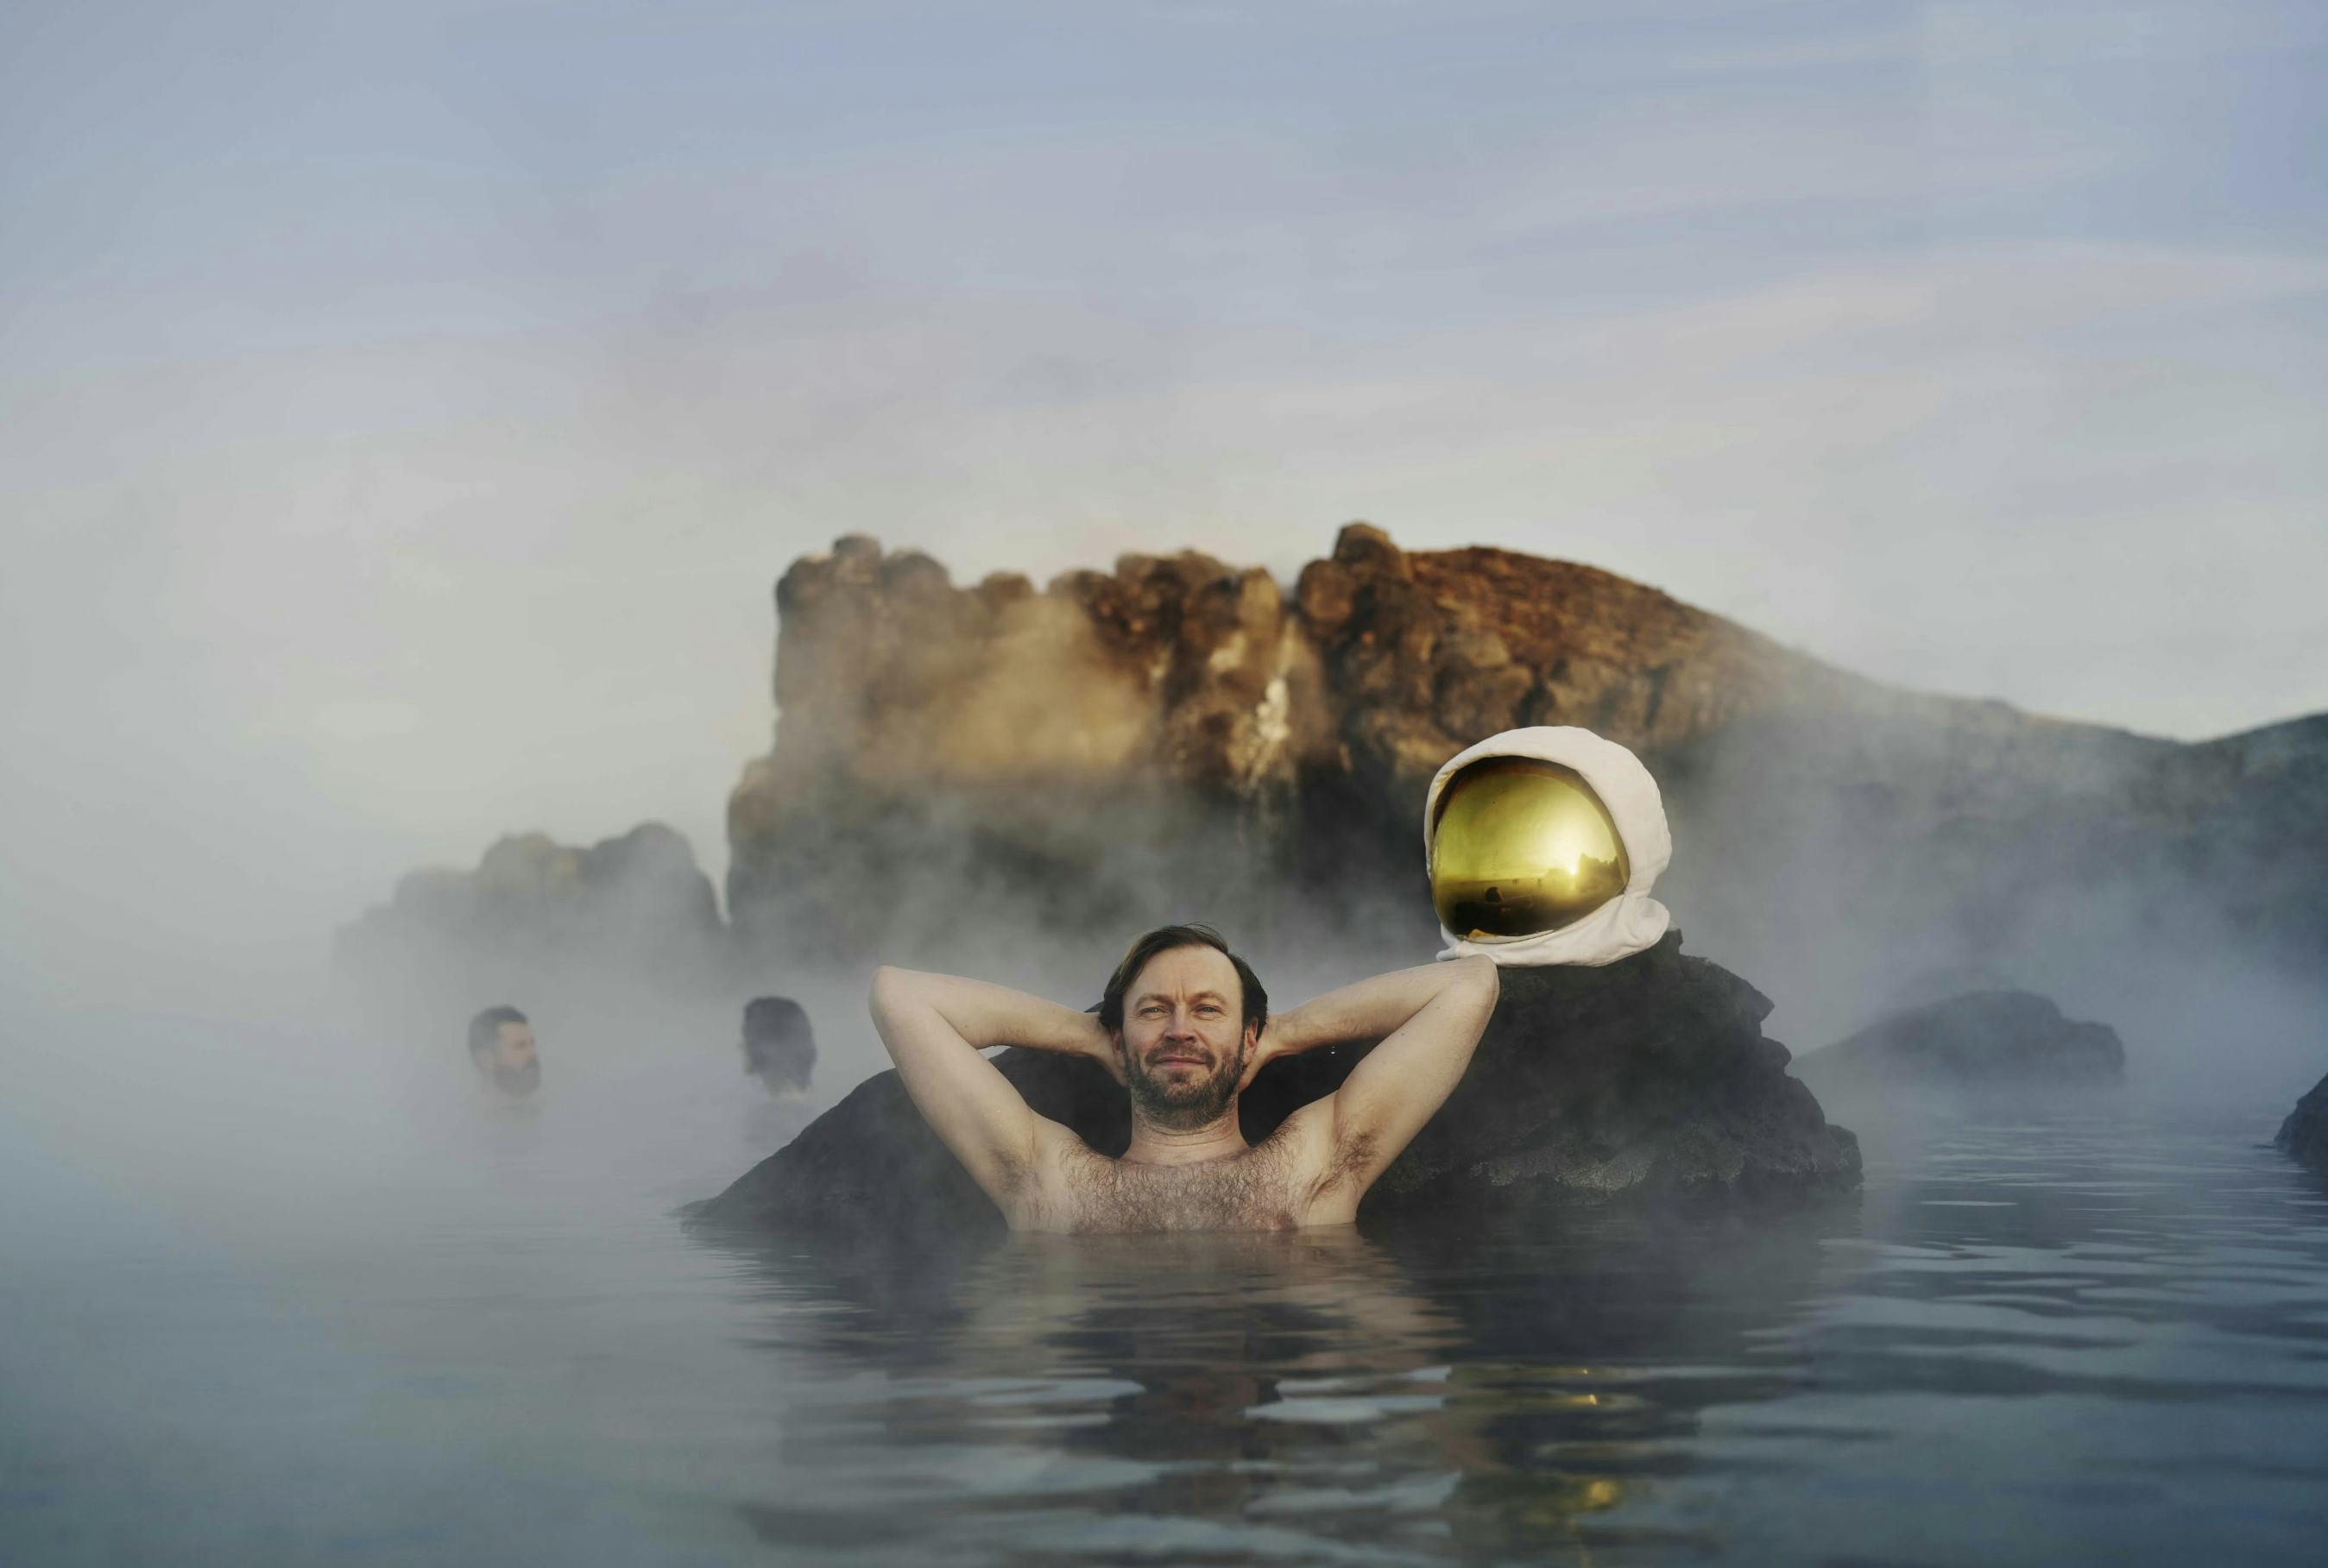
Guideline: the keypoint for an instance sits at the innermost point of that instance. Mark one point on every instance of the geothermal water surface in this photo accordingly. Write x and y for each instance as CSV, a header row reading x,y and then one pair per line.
x,y
260,1314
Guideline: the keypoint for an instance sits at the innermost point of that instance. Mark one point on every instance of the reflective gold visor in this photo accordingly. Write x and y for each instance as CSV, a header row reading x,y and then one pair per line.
x,y
1522,847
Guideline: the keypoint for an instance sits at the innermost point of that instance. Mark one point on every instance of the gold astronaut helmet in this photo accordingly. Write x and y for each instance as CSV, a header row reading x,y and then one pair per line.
x,y
1520,846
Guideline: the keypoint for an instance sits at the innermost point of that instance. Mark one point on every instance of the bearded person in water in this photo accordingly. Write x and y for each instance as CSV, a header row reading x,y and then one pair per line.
x,y
1184,1026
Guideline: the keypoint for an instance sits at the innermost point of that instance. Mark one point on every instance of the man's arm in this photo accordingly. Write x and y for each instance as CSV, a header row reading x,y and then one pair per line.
x,y
1429,1020
935,1025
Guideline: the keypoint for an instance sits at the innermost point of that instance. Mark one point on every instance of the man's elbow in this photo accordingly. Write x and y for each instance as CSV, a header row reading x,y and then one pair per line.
x,y
891,986
1481,979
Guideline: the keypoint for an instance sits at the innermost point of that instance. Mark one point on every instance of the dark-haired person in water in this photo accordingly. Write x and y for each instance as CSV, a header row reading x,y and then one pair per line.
x,y
500,1048
779,1052
779,1046
1183,1024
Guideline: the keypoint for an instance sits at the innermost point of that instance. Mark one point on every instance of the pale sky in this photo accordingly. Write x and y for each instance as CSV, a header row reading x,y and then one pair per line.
x,y
405,410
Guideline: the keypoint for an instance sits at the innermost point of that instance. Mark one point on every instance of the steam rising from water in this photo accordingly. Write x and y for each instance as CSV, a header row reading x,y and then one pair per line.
x,y
200,1122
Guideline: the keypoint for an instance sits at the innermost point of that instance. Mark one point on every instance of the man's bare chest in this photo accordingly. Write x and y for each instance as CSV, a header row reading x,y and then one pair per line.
x,y
1264,1188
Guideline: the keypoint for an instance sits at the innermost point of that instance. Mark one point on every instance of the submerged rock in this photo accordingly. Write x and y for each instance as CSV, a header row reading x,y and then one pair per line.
x,y
1649,1076
2304,1133
2000,1038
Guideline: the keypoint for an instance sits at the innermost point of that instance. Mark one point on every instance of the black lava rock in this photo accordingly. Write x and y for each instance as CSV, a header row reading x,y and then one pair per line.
x,y
1981,1038
1648,1076
2304,1133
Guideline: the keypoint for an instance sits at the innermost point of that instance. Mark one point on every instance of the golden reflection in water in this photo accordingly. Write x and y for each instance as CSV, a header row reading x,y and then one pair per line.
x,y
1522,847
1542,1495
1303,1384
1246,1356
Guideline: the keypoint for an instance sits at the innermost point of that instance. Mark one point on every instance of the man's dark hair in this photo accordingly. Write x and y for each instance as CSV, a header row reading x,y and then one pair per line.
x,y
1165,939
778,1043
485,1028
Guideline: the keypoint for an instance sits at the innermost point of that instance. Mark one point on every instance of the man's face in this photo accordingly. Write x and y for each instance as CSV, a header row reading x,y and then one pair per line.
x,y
1184,1040
512,1064
780,1072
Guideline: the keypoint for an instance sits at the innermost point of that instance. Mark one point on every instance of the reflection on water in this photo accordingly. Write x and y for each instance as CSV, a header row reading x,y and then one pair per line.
x,y
2033,1343
2098,1338
1383,1399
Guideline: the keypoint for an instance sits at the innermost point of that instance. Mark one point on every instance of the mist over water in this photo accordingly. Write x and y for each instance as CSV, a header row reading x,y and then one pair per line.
x,y
284,1285
406,410
260,1310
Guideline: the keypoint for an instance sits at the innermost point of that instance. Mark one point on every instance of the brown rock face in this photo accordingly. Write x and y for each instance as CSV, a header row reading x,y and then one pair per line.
x,y
903,683
1426,653
1179,738
1181,711
1115,732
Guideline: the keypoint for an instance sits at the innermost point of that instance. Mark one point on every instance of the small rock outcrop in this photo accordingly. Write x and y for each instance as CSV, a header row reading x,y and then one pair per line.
x,y
638,903
2304,1133
1650,1076
2003,1039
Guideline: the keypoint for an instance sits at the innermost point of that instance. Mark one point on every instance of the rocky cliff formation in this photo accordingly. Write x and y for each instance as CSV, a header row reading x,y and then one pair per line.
x,y
1180,736
1650,1077
1181,733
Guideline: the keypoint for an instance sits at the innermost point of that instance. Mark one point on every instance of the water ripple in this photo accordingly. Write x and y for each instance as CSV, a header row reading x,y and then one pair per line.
x,y
2021,1345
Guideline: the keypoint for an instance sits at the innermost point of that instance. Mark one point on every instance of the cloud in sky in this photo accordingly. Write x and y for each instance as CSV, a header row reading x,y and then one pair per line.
x,y
409,408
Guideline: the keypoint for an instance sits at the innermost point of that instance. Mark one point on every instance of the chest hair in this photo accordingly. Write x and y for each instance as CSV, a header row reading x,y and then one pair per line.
x,y
1258,1189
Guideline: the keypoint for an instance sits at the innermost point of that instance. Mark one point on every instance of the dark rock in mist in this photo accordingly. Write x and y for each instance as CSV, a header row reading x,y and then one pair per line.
x,y
637,903
2006,1038
2304,1133
1649,1077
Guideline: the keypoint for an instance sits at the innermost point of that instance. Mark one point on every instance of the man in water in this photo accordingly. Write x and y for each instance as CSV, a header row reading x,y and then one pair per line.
x,y
779,1046
500,1048
1183,1024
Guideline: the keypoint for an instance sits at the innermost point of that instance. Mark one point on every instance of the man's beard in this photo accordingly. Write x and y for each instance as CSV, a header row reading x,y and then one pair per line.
x,y
518,1081
1186,1106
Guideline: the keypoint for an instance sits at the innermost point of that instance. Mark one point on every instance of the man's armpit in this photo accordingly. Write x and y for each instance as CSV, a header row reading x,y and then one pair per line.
x,y
1040,1173
1011,1169
1354,1161
1336,1162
